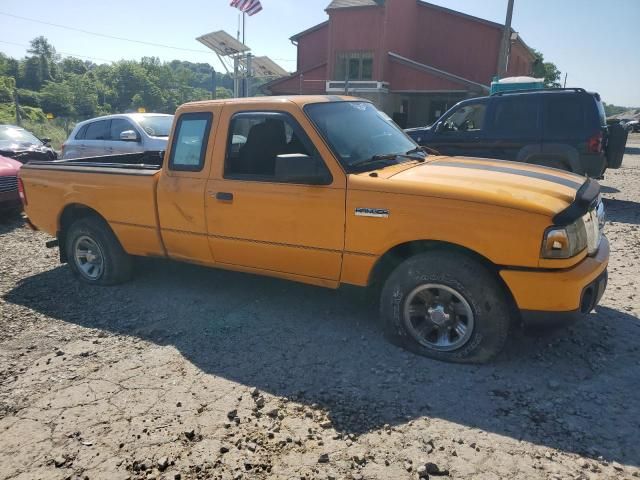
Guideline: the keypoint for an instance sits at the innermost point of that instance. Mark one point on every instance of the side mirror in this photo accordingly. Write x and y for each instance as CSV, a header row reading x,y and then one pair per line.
x,y
129,136
301,168
439,127
46,141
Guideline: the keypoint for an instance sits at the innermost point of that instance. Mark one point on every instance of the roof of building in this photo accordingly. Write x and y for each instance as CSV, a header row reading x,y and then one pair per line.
x,y
460,14
309,30
354,3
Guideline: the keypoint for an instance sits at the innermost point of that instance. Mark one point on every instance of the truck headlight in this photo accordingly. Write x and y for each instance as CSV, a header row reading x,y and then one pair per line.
x,y
564,242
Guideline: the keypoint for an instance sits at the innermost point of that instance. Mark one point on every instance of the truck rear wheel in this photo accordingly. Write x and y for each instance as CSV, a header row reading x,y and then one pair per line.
x,y
446,306
95,254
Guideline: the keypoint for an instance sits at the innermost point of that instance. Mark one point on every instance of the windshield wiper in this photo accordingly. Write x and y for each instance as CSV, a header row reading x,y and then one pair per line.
x,y
386,157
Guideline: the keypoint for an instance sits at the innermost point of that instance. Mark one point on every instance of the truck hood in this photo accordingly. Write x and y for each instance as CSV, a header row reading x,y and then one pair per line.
x,y
520,186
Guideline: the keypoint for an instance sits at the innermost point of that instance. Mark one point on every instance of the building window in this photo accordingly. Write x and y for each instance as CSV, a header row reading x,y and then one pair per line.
x,y
354,66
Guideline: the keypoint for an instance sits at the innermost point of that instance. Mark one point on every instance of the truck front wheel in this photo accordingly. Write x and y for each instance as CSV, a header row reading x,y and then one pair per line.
x,y
447,306
95,254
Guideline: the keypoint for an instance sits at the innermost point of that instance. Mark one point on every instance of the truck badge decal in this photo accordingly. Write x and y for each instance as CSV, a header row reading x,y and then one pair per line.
x,y
372,212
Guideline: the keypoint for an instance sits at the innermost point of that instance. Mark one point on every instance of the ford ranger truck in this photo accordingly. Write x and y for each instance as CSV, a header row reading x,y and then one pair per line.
x,y
327,190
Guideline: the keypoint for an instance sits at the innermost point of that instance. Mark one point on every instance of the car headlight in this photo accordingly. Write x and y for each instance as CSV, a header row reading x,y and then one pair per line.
x,y
564,242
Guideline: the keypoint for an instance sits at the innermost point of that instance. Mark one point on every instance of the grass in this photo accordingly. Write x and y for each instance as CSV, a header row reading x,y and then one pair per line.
x,y
34,120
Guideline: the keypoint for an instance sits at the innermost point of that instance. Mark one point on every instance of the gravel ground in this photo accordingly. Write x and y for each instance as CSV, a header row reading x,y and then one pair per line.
x,y
188,372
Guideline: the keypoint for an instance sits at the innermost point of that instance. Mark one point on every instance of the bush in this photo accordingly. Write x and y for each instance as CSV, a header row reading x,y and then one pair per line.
x,y
28,98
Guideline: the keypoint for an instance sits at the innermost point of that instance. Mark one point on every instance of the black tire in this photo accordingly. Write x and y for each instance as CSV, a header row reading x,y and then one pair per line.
x,y
116,265
473,282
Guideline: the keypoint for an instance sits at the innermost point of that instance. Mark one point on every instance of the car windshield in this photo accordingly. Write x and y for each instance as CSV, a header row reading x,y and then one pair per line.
x,y
156,125
361,136
12,134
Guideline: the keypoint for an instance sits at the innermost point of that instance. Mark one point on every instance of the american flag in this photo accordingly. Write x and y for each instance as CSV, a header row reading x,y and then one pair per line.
x,y
250,7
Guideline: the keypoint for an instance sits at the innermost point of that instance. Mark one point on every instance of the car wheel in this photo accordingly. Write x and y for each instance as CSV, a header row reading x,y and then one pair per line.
x,y
446,306
95,254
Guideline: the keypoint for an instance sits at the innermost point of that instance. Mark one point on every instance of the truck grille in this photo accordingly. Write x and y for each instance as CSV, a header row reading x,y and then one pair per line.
x,y
8,184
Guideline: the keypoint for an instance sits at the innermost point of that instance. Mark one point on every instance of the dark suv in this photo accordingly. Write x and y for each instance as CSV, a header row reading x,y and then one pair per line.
x,y
559,128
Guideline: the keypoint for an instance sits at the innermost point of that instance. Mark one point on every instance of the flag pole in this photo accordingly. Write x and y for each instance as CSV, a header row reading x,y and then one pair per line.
x,y
245,81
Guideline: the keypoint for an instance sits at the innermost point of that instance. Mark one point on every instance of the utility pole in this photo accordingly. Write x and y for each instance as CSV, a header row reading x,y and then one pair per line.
x,y
505,45
214,85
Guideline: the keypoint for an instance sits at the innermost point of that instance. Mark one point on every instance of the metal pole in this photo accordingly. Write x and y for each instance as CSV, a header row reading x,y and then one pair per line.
x,y
17,104
504,45
565,80
245,81
213,83
248,75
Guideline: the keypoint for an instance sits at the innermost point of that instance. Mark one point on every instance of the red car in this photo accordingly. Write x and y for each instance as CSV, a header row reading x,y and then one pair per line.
x,y
9,197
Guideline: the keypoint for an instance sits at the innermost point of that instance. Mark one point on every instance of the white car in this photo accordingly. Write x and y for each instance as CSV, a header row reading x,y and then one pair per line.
x,y
118,134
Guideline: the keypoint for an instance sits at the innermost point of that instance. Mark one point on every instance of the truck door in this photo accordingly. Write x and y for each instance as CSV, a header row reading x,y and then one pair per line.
x,y
274,204
181,206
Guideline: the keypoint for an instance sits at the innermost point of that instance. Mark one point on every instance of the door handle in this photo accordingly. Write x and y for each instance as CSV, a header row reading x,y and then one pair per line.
x,y
224,196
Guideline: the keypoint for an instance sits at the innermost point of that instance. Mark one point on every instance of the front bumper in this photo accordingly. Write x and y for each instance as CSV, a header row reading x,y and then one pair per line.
x,y
565,292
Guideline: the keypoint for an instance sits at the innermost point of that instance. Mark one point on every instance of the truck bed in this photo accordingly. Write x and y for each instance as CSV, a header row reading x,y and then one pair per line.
x,y
145,161
120,188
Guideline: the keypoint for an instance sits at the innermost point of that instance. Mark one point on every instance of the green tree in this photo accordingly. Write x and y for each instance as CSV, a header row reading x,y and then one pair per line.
x,y
45,60
7,87
57,98
546,70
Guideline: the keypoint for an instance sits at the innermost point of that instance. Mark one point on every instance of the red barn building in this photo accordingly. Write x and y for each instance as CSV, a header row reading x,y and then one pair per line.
x,y
412,58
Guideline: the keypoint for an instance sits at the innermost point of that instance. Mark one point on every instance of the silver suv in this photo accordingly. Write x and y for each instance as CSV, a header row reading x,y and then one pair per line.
x,y
118,134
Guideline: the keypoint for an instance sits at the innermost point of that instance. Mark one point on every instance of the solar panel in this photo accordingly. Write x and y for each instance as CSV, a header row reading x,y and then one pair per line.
x,y
222,43
265,67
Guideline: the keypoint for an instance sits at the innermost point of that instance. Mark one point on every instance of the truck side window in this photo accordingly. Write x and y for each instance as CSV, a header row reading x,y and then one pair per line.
x,y
271,147
189,144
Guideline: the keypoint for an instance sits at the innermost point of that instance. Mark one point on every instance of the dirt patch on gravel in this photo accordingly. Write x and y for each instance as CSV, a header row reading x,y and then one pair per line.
x,y
187,372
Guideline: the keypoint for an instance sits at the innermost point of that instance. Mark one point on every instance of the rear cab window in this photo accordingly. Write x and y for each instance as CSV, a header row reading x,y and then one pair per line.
x,y
189,144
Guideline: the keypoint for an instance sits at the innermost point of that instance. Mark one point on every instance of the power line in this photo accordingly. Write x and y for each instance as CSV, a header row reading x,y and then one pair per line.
x,y
113,37
60,51
104,35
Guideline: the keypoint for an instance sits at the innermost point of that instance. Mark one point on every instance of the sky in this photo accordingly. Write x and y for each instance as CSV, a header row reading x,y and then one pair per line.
x,y
594,41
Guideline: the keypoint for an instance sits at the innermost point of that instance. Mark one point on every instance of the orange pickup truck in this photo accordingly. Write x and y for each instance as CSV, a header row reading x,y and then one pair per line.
x,y
328,190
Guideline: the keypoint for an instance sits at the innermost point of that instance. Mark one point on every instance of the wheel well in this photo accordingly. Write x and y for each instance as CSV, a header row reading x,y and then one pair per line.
x,y
70,214
398,254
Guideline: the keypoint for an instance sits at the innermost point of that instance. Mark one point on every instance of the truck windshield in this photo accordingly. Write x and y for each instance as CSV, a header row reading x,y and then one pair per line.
x,y
362,137
156,125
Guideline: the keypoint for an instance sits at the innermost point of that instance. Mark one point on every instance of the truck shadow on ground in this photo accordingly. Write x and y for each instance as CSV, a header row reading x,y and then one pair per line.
x,y
10,221
622,211
571,389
